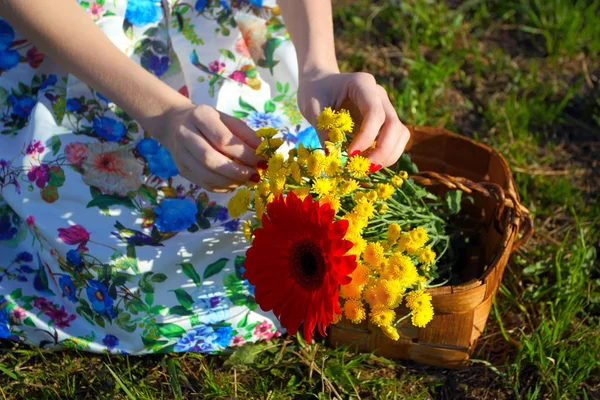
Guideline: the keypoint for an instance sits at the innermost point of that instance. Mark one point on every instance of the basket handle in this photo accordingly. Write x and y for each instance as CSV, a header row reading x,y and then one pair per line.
x,y
505,199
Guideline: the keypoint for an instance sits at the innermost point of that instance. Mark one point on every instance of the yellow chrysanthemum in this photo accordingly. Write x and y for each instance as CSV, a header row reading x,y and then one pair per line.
x,y
344,121
354,311
358,166
387,293
303,154
385,191
292,153
348,186
275,164
360,275
316,163
393,233
359,195
239,203
403,175
359,245
426,255
334,202
277,182
373,254
402,268
390,332
336,135
248,231
326,119
407,244
266,132
419,236
262,148
259,206
382,316
370,295
422,316
264,188
372,196
332,165
296,172
383,209
397,181
322,186
364,208
336,318
418,299
351,291
333,149
301,192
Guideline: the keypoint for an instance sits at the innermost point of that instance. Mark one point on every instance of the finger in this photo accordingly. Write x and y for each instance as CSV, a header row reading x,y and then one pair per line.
x,y
241,130
392,136
197,173
223,140
363,94
209,157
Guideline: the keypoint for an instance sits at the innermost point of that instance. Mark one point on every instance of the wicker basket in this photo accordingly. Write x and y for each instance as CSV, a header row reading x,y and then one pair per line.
x,y
461,311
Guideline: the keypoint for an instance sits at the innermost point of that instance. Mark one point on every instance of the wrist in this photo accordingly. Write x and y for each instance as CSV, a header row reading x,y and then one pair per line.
x,y
313,71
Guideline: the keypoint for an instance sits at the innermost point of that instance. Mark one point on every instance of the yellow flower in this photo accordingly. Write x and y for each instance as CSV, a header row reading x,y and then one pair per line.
x,y
259,206
360,195
275,143
385,191
373,254
393,233
275,164
334,202
316,163
382,316
426,255
351,291
364,208
407,244
239,203
277,182
348,186
390,332
303,154
387,293
354,311
344,121
327,119
359,245
372,196
360,274
383,209
266,132
336,135
262,148
296,172
419,236
268,146
422,316
322,186
402,268
418,299
248,231
397,181
301,192
332,165
292,153
358,166
403,175
333,149
264,188
336,318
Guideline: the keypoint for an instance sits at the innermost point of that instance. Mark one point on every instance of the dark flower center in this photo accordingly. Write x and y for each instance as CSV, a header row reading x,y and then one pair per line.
x,y
308,264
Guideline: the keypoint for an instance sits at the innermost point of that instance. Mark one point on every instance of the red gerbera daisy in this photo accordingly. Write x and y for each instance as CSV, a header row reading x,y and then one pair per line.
x,y
297,262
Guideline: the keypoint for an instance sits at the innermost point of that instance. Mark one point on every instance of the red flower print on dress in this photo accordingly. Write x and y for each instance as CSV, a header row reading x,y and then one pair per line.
x,y
75,234
34,57
30,221
264,330
76,152
238,341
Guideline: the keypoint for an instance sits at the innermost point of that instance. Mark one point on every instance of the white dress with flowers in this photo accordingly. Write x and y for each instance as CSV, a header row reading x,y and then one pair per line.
x,y
103,246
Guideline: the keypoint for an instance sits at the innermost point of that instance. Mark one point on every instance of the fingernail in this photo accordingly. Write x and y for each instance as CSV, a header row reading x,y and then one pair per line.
x,y
354,153
375,167
255,178
262,164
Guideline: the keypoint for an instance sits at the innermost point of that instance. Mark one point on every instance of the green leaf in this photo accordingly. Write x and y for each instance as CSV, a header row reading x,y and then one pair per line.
x,y
194,320
125,263
149,299
227,54
246,354
190,272
244,321
128,29
16,294
160,277
214,268
149,193
240,114
279,86
99,320
453,199
158,309
132,128
269,106
151,342
109,13
279,98
180,310
29,322
57,176
171,331
107,200
55,144
8,372
184,298
49,194
246,106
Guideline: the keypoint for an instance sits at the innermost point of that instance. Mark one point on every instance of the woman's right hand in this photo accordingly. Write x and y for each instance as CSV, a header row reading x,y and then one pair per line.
x,y
211,149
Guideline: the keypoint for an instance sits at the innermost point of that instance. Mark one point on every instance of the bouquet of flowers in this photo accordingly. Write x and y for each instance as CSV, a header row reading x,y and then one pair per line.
x,y
335,236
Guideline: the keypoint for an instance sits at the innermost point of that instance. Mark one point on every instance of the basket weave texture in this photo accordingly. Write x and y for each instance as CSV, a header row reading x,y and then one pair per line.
x,y
454,162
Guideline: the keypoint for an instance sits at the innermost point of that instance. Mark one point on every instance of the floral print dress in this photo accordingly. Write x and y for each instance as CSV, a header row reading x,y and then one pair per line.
x,y
103,246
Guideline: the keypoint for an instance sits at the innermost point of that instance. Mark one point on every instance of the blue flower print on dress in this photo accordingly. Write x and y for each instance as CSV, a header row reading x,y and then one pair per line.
x,y
309,138
73,105
109,129
202,339
110,341
232,226
142,12
68,288
258,120
49,81
74,257
158,65
224,336
98,296
8,58
174,215
211,307
4,320
7,230
201,5
22,105
24,256
158,158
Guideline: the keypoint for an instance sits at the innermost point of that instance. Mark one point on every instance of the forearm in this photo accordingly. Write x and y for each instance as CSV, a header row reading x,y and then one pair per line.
x,y
310,25
62,30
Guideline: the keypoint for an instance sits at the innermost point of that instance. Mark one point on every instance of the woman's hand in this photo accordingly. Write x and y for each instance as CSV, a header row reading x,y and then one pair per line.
x,y
210,149
374,116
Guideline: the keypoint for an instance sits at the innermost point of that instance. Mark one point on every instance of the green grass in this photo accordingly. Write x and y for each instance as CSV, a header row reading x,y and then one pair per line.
x,y
522,76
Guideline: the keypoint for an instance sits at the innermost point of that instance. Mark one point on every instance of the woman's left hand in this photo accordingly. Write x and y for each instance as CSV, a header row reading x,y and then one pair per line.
x,y
374,116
